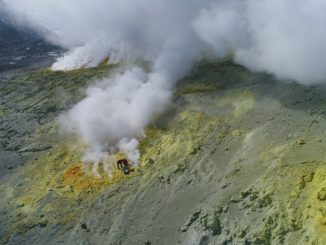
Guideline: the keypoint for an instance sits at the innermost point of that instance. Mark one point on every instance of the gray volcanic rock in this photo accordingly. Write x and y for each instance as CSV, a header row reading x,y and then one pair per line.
x,y
20,47
238,159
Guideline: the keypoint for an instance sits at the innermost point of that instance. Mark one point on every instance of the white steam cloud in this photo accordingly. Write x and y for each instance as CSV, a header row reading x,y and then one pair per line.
x,y
116,110
283,37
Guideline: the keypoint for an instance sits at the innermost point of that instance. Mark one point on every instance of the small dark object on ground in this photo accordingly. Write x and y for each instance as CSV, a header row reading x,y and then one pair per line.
x,y
124,166
83,226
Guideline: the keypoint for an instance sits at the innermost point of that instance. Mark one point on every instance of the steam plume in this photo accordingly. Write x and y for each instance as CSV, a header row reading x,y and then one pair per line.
x,y
283,37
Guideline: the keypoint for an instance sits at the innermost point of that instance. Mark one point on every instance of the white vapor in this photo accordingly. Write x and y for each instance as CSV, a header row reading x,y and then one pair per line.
x,y
283,37
116,110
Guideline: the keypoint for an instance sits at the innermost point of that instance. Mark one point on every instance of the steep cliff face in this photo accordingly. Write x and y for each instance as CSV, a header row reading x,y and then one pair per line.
x,y
238,159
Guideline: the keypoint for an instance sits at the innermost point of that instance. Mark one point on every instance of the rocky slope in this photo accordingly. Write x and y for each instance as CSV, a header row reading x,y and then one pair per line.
x,y
21,48
239,158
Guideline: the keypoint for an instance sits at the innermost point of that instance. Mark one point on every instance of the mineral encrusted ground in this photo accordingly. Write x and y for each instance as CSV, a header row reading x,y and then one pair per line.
x,y
238,159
